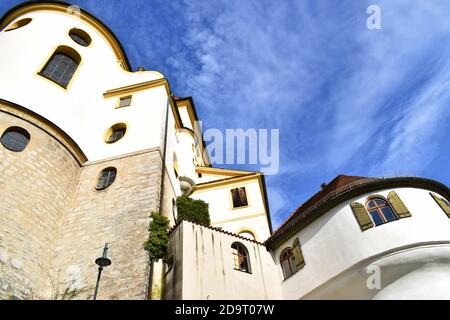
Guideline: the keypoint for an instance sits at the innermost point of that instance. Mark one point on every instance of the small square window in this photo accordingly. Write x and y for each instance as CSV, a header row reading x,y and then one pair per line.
x,y
124,102
239,197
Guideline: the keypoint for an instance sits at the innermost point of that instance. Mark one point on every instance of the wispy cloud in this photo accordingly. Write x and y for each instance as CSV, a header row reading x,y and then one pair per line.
x,y
346,99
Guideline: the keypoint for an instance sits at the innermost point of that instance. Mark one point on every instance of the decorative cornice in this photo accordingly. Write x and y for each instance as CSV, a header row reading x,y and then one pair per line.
x,y
138,87
222,172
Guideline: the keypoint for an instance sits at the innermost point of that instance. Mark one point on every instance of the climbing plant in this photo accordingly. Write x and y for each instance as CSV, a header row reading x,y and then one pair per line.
x,y
158,238
193,210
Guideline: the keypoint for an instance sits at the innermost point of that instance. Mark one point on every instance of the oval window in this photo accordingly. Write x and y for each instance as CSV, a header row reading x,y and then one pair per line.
x,y
106,178
15,139
115,133
18,24
80,37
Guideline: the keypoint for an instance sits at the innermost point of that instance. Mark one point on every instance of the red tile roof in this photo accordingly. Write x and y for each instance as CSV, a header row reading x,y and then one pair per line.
x,y
338,183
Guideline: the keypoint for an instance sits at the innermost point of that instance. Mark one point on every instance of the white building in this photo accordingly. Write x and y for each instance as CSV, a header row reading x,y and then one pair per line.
x,y
91,149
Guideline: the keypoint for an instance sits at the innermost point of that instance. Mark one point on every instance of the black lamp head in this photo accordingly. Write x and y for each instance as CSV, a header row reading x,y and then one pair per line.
x,y
103,261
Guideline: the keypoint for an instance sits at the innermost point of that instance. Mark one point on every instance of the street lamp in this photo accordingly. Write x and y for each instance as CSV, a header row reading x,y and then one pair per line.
x,y
103,261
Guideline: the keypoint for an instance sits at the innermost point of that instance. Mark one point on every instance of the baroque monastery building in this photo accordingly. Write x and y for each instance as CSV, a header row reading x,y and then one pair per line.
x,y
89,149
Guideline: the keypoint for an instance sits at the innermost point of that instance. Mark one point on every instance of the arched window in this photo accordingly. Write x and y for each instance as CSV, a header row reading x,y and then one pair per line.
x,y
379,211
80,37
62,66
106,178
15,139
18,24
240,257
288,263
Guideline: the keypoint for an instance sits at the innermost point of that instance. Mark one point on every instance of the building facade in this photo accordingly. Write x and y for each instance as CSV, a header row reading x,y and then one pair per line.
x,y
90,150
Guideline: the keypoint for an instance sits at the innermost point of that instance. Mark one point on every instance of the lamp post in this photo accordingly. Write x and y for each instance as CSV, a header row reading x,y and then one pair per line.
x,y
103,261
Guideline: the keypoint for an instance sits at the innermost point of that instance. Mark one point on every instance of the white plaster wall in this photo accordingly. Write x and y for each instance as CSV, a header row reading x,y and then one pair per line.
x,y
185,154
334,243
208,271
414,272
81,111
184,114
223,215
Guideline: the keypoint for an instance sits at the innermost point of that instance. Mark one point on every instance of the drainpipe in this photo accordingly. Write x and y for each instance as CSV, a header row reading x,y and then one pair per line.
x,y
161,192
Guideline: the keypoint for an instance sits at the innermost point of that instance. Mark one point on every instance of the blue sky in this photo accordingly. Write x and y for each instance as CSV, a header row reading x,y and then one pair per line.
x,y
347,100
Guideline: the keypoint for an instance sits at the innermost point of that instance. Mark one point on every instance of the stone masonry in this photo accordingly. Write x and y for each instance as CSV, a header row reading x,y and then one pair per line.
x,y
54,223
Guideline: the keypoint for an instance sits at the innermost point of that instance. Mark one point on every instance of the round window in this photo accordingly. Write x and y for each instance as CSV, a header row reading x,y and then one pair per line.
x,y
15,139
18,24
80,37
115,133
106,178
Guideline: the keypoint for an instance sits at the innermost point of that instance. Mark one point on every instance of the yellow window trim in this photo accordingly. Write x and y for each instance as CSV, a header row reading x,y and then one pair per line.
x,y
248,230
117,125
230,196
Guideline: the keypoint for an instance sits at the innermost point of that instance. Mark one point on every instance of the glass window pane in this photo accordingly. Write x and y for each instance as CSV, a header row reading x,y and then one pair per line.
x,y
15,139
286,268
371,204
106,178
388,214
60,69
376,217
125,102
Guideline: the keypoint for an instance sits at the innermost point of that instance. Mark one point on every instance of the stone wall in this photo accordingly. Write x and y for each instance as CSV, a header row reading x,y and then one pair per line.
x,y
118,215
36,188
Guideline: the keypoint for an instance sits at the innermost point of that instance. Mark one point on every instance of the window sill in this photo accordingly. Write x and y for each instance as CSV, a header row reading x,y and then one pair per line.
x,y
242,271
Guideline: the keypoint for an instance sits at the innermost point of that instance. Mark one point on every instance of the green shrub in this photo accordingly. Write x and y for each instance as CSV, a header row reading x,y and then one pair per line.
x,y
193,210
158,238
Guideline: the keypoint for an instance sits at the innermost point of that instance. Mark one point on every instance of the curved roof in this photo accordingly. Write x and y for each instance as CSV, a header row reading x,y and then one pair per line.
x,y
60,6
340,189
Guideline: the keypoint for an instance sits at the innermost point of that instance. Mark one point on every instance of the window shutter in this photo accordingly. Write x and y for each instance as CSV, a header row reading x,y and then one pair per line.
x,y
398,205
361,215
444,206
298,256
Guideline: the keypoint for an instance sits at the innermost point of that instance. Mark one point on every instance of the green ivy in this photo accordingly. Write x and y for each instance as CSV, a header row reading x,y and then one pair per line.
x,y
158,238
193,210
